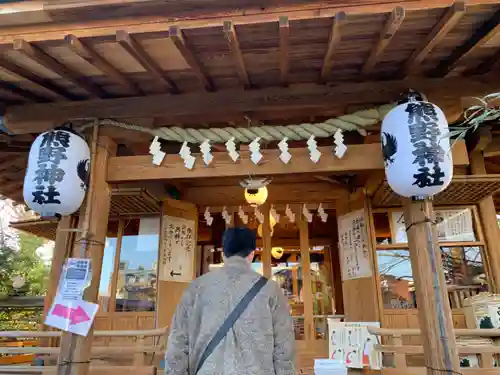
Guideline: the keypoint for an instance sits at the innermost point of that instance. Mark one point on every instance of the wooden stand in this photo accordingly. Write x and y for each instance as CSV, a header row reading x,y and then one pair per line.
x,y
434,310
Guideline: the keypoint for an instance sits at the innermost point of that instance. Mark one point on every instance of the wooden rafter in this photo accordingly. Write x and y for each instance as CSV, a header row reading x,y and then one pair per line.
x,y
391,26
284,26
214,106
137,52
450,18
480,36
186,50
42,58
92,57
334,40
234,48
40,83
25,94
489,65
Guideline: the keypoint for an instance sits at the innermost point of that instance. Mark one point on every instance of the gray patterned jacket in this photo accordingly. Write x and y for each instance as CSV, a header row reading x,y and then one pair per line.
x,y
261,342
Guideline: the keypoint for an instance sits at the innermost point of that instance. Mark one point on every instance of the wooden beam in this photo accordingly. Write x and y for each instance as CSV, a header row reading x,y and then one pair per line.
x,y
36,54
333,42
137,52
480,36
284,26
358,158
450,18
186,50
490,64
41,84
93,58
493,149
391,26
187,107
234,49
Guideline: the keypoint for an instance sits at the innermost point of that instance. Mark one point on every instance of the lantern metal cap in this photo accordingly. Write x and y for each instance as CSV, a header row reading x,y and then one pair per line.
x,y
411,96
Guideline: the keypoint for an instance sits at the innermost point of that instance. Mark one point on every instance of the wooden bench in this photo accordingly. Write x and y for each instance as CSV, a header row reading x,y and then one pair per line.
x,y
399,359
148,344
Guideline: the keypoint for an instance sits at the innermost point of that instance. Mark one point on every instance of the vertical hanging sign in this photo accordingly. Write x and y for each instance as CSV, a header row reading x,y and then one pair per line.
x,y
177,249
353,246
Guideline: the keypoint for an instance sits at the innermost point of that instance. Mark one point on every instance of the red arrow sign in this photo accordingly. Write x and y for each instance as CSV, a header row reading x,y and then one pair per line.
x,y
75,316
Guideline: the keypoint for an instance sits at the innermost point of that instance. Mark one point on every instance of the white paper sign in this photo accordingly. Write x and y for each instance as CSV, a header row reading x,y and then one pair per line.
x,y
454,226
353,245
72,316
75,279
177,249
354,345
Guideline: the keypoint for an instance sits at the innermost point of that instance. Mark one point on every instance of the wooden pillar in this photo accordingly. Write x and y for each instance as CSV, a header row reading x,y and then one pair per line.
x,y
76,349
362,296
266,242
61,250
116,267
305,261
434,309
488,218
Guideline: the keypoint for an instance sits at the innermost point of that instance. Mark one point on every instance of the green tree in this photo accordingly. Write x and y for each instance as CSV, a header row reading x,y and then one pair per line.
x,y
26,263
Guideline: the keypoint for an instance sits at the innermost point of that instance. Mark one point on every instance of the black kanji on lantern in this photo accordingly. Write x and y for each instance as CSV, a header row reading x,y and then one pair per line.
x,y
424,136
52,150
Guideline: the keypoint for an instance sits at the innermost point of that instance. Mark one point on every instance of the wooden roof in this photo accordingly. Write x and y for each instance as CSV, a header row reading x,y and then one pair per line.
x,y
159,63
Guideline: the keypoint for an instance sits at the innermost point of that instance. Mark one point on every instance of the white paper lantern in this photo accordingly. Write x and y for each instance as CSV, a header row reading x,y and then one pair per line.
x,y
416,148
57,174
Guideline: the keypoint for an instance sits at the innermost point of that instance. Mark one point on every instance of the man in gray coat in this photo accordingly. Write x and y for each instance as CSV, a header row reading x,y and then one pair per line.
x,y
261,341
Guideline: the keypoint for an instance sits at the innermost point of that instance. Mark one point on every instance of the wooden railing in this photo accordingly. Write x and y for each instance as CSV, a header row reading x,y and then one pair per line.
x,y
400,359
139,358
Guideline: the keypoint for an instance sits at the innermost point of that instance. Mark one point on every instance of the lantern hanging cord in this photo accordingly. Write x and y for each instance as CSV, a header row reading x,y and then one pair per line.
x,y
357,121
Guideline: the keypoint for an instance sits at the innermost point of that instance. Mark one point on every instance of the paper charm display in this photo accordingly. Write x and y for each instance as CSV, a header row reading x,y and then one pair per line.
x,y
307,215
322,214
259,215
242,215
340,147
155,150
185,154
231,150
208,217
314,153
206,151
285,155
274,214
255,154
289,214
226,216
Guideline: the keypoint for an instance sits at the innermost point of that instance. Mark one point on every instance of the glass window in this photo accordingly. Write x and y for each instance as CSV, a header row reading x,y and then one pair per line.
x,y
462,266
136,287
322,289
108,261
396,279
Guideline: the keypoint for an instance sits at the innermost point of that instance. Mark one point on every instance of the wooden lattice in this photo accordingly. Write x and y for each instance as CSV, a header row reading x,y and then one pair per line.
x,y
124,202
462,190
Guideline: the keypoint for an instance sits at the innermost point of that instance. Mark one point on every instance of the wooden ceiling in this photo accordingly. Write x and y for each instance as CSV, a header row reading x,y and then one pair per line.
x,y
159,63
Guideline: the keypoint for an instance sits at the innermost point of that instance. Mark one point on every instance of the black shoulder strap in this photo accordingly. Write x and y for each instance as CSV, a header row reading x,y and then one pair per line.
x,y
230,320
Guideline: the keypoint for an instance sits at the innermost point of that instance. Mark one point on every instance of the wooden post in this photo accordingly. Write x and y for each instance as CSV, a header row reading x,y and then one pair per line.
x,y
116,267
62,243
488,218
266,242
434,311
75,352
305,260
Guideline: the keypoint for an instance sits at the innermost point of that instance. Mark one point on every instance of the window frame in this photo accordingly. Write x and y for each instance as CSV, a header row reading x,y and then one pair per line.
x,y
478,231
